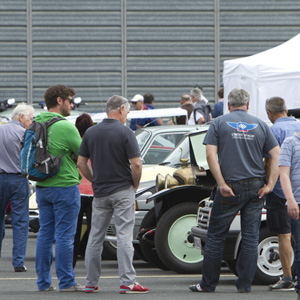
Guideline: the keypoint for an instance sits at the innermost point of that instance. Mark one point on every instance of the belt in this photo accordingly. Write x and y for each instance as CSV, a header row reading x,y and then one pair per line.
x,y
10,173
247,180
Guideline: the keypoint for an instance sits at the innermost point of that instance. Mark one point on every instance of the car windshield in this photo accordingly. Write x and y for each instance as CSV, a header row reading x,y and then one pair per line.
x,y
141,137
174,157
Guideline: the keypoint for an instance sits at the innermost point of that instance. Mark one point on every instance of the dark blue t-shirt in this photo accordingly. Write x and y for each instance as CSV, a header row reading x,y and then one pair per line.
x,y
110,145
242,140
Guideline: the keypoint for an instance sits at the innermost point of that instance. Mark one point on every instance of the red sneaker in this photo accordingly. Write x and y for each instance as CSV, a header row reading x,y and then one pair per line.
x,y
91,289
134,288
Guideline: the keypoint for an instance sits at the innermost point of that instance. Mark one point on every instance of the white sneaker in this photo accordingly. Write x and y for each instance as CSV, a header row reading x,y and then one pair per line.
x,y
51,288
74,288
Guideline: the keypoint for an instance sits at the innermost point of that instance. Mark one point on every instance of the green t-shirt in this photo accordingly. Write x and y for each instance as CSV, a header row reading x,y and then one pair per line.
x,y
63,137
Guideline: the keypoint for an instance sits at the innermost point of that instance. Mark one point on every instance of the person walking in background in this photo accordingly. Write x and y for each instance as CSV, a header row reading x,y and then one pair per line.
x,y
58,197
82,123
218,108
13,186
278,219
115,176
235,144
289,166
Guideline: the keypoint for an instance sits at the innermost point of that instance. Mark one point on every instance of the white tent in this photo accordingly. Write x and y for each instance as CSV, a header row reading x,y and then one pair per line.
x,y
274,72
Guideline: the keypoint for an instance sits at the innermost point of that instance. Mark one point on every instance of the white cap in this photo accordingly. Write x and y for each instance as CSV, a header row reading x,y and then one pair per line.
x,y
137,98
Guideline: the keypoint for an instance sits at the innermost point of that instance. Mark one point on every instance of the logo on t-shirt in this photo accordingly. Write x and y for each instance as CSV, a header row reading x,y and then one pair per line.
x,y
241,126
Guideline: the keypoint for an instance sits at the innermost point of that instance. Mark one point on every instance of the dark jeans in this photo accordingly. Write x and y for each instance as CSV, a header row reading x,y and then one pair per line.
x,y
223,212
296,234
85,208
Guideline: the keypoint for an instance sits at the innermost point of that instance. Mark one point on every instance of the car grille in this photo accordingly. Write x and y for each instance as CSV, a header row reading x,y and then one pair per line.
x,y
204,214
111,230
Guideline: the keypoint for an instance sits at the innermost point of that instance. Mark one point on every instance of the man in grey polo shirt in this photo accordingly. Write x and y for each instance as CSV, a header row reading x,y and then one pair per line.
x,y
235,145
115,176
13,186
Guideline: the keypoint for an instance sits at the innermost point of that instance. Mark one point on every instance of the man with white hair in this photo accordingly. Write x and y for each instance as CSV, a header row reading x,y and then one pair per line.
x,y
202,111
113,147
13,186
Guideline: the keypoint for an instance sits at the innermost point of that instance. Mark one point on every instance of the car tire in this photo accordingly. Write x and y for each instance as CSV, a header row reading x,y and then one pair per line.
x,y
173,240
138,253
231,264
109,250
147,247
269,268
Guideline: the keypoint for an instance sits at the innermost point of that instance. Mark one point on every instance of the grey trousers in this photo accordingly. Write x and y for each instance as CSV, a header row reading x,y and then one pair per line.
x,y
121,205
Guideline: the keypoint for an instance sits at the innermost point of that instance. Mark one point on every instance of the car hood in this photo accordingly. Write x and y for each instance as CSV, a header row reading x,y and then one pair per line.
x,y
149,172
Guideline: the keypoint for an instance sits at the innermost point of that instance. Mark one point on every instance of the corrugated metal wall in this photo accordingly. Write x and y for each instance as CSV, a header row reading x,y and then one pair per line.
x,y
102,47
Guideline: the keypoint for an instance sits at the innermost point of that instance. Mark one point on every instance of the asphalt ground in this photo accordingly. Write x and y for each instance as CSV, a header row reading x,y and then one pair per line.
x,y
162,284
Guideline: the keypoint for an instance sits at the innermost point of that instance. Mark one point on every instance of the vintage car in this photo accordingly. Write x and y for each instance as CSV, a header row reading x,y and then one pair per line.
x,y
165,231
176,227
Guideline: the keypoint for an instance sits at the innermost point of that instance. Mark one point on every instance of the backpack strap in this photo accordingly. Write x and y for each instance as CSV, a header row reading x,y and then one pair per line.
x,y
49,123
53,120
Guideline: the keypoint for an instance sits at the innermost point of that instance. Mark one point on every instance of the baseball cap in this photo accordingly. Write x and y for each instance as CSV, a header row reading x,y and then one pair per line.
x,y
137,98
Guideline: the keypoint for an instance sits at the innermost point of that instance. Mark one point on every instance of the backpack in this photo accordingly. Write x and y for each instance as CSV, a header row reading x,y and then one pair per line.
x,y
35,161
204,109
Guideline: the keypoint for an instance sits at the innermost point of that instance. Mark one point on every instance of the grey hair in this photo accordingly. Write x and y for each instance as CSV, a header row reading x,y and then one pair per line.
x,y
238,97
197,93
115,102
21,109
275,105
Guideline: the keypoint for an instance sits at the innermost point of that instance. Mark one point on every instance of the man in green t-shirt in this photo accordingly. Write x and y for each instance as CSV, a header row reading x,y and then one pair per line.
x,y
58,197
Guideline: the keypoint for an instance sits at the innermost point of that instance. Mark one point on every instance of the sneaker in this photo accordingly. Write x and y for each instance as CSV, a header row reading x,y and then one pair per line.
x,y
20,269
282,285
134,288
196,288
51,288
74,288
91,289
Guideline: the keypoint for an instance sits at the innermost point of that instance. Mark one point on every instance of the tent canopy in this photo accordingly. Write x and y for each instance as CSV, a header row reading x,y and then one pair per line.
x,y
274,72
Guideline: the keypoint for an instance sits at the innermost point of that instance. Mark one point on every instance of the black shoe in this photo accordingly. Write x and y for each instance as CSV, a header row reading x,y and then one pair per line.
x,y
20,269
196,288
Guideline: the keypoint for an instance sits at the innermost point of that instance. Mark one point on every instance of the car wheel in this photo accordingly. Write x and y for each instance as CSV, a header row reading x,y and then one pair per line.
x,y
269,267
138,253
109,250
173,240
231,264
147,246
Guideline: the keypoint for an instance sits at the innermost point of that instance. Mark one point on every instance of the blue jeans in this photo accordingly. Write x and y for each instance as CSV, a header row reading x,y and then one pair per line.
x,y
296,234
15,188
59,208
223,212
